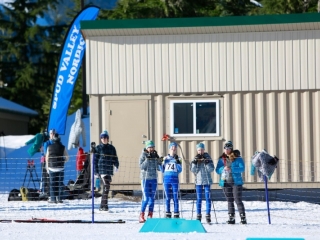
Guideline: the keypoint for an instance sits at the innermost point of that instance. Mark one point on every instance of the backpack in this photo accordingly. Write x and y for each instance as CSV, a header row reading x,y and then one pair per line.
x,y
14,195
33,194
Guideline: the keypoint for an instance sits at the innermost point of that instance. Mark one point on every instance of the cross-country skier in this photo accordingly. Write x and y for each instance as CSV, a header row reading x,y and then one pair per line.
x,y
230,167
202,166
149,165
171,168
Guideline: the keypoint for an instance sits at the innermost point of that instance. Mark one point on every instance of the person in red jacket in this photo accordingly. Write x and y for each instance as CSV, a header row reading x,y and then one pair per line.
x,y
81,158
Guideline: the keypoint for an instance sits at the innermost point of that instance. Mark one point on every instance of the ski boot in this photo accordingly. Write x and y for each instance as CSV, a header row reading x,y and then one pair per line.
x,y
168,214
150,214
141,218
199,217
243,218
176,215
208,218
105,208
231,220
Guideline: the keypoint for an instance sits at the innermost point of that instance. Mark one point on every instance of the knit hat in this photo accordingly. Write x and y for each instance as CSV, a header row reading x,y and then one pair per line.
x,y
45,133
200,145
56,137
104,134
149,144
173,144
228,145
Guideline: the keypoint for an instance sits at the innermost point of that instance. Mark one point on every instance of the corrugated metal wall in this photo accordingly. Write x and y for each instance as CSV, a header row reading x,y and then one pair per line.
x,y
286,124
226,62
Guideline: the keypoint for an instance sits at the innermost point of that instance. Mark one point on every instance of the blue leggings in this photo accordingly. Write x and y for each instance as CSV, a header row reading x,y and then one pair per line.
x,y
172,191
199,189
149,188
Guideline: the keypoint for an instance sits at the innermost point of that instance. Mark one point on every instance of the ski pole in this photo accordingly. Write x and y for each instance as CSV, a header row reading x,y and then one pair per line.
x,y
159,202
163,203
195,190
41,180
214,210
92,185
158,196
192,209
180,200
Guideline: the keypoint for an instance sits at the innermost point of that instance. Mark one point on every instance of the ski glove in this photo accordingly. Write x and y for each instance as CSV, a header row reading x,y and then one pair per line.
x,y
160,160
195,161
198,158
178,160
154,154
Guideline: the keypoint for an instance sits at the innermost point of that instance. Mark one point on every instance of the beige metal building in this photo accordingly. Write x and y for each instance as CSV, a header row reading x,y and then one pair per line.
x,y
14,118
253,80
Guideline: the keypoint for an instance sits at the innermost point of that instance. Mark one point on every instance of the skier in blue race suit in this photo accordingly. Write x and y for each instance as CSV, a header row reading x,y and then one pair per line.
x,y
171,168
202,167
149,165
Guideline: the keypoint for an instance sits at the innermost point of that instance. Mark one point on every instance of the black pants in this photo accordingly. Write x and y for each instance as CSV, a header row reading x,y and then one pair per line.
x,y
45,179
233,193
106,180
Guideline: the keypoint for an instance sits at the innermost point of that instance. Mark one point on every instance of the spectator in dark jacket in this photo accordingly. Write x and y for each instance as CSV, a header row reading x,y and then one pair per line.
x,y
56,157
105,162
45,175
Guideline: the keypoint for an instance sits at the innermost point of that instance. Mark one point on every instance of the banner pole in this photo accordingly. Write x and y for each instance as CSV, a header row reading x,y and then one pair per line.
x,y
92,185
84,80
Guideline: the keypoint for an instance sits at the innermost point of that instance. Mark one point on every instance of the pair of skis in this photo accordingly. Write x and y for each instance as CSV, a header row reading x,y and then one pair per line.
x,y
45,220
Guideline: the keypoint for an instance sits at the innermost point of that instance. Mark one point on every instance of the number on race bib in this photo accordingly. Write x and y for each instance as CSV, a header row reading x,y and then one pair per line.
x,y
171,167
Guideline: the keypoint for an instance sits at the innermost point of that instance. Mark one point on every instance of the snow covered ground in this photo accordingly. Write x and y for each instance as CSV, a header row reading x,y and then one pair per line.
x,y
288,220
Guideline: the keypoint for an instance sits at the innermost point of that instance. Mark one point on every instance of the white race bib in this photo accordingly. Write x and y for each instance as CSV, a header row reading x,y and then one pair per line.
x,y
171,167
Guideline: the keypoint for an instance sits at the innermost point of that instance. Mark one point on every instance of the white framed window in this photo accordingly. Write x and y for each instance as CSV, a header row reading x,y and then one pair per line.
x,y
194,118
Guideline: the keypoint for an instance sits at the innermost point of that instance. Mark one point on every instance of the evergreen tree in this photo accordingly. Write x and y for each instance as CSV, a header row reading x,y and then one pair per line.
x,y
288,6
237,8
28,52
139,9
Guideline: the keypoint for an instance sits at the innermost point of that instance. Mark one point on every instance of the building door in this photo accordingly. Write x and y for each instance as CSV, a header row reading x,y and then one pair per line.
x,y
128,128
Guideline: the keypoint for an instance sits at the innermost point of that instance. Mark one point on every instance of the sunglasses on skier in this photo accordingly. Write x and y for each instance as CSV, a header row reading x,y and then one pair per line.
x,y
228,146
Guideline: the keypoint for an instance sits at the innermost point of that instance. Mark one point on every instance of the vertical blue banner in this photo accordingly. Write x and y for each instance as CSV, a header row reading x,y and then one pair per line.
x,y
68,69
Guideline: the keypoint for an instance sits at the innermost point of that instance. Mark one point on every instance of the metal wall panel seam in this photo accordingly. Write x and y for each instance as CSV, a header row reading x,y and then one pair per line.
x,y
307,126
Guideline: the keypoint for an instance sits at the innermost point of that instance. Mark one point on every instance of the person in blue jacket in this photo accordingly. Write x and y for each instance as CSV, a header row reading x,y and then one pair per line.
x,y
230,168
171,168
149,165
202,166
